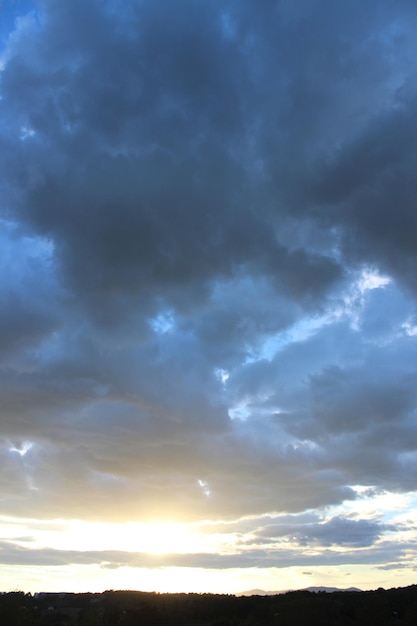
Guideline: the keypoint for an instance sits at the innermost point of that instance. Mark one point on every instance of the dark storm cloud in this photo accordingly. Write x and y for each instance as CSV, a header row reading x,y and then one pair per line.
x,y
370,185
148,191
27,308
192,194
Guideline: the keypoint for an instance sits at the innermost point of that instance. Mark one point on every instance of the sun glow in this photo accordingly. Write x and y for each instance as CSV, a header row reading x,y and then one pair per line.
x,y
150,538
161,538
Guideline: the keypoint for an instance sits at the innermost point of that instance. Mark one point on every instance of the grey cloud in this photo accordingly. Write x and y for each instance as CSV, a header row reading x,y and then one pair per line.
x,y
163,466
391,566
345,532
232,167
358,401
358,407
28,311
370,186
12,554
140,213
336,531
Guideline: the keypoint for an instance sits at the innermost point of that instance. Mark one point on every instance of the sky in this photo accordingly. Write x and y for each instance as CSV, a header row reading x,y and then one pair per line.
x,y
208,270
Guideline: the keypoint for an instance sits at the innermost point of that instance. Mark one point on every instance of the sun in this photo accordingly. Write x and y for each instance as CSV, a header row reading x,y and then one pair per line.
x,y
161,537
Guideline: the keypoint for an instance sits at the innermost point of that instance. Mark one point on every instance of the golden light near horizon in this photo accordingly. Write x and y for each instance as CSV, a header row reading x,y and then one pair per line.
x,y
160,575
157,538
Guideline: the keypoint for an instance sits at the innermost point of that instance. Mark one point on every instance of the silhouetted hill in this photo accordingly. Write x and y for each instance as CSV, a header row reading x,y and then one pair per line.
x,y
261,592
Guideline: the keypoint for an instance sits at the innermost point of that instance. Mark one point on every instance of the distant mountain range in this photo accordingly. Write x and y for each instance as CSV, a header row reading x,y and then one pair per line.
x,y
261,592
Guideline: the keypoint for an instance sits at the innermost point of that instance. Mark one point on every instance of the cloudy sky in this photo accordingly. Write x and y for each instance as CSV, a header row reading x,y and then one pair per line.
x,y
208,323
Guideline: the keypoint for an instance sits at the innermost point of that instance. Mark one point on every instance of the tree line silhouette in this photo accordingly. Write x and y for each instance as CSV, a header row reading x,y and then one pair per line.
x,y
397,606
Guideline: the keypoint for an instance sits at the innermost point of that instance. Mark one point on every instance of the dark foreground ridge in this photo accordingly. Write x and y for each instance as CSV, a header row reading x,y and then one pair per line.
x,y
134,608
